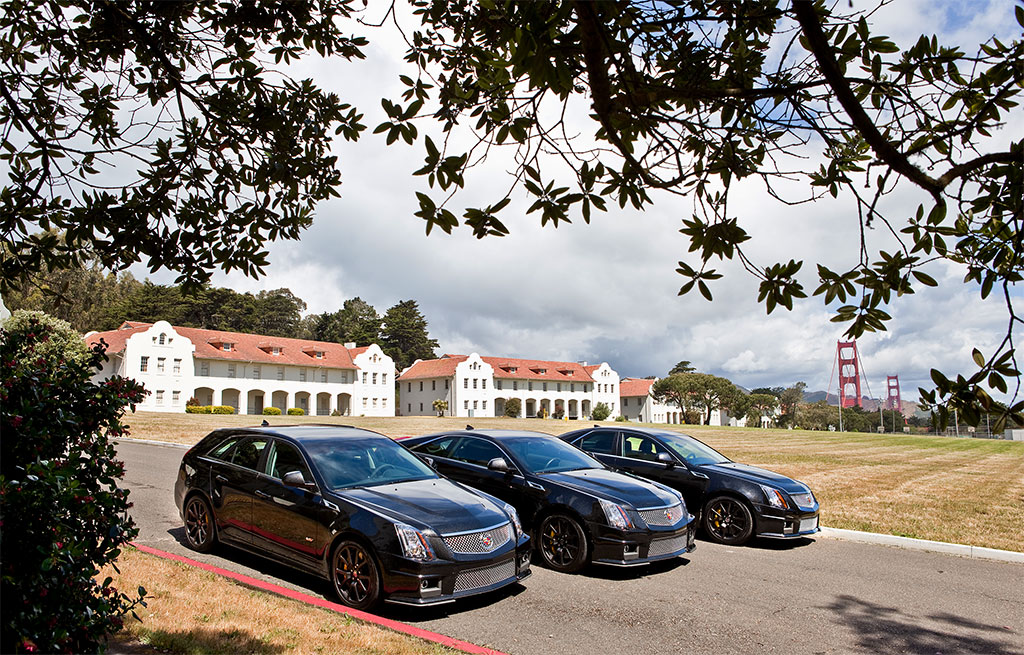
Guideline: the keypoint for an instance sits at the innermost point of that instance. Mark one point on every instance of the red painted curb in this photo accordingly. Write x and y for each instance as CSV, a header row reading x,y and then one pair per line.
x,y
397,626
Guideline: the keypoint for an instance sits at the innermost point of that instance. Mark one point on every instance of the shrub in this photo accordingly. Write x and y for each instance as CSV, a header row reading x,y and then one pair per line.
x,y
192,402
62,340
621,419
62,513
601,412
440,406
271,411
198,409
512,407
296,411
335,413
222,409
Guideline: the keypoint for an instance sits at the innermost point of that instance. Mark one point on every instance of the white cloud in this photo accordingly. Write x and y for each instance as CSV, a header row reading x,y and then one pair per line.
x,y
607,291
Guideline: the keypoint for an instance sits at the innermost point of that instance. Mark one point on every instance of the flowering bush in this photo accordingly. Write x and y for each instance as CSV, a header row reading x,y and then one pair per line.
x,y
62,514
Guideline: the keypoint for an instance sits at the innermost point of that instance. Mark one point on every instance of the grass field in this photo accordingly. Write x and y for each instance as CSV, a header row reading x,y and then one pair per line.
x,y
968,491
193,611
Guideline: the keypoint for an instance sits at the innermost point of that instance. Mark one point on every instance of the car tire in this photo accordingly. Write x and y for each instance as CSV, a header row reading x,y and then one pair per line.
x,y
562,543
200,527
355,575
728,520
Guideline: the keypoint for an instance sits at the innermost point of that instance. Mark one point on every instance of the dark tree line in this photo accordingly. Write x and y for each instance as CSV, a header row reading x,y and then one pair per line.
x,y
95,299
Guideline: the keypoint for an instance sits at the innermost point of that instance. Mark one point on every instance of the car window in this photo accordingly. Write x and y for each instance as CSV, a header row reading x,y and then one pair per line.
x,y
637,447
284,458
437,447
248,453
476,451
599,441
365,462
221,450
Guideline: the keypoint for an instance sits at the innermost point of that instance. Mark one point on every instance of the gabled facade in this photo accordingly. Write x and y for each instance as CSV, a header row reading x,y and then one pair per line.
x,y
247,371
473,385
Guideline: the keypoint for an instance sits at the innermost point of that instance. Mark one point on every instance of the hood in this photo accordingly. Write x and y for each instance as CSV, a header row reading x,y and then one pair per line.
x,y
755,474
436,504
615,487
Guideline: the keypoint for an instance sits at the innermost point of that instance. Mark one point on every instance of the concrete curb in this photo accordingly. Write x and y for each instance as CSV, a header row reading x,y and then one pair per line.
x,y
154,441
397,626
962,550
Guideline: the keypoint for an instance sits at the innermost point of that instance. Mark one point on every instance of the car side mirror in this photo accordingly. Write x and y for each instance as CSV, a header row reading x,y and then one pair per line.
x,y
667,460
429,461
498,464
295,479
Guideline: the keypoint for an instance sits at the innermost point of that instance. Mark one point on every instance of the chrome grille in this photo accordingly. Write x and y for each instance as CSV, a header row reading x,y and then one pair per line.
x,y
484,541
665,546
803,501
484,577
660,516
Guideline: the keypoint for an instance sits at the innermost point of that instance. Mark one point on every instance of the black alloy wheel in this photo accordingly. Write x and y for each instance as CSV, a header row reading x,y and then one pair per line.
x,y
355,577
728,520
562,543
199,529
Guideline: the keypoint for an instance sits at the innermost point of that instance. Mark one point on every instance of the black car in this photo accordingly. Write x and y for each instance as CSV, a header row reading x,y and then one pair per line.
x,y
736,501
576,508
352,506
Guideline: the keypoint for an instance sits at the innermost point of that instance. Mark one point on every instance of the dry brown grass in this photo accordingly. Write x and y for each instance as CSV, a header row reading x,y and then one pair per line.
x,y
194,611
967,491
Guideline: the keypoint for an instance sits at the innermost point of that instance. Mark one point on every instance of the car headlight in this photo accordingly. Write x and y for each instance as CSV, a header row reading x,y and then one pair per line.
x,y
616,515
512,514
775,497
414,543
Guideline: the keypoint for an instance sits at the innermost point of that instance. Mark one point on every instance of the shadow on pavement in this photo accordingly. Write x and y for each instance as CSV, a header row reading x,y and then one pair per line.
x,y
878,629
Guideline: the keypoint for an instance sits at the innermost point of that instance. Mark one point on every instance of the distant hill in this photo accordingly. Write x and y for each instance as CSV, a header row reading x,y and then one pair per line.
x,y
869,404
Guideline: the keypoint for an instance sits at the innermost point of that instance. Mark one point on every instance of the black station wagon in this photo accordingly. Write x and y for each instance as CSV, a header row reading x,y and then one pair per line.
x,y
578,510
735,501
352,506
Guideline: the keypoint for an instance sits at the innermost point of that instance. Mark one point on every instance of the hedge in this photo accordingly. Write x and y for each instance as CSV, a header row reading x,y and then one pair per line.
x,y
198,409
296,411
222,409
271,411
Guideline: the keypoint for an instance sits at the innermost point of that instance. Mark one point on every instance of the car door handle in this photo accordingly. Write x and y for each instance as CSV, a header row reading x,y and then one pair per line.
x,y
262,494
220,478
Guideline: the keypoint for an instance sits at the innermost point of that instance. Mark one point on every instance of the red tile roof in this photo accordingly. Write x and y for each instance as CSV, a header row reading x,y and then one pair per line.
x,y
245,348
633,387
505,368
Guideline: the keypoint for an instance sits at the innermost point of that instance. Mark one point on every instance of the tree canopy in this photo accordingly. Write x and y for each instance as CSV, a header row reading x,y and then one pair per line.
x,y
597,105
404,335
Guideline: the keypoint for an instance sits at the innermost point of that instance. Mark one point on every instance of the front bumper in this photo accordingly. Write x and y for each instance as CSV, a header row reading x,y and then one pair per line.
x,y
773,524
633,548
408,582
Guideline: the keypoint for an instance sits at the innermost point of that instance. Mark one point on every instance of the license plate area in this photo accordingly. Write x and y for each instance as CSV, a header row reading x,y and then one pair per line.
x,y
808,524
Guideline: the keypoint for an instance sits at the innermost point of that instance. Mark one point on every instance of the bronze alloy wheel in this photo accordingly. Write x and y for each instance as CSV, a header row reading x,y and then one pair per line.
x,y
562,543
355,577
728,521
199,529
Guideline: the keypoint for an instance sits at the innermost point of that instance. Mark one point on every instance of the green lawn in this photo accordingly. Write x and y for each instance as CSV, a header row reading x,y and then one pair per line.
x,y
968,491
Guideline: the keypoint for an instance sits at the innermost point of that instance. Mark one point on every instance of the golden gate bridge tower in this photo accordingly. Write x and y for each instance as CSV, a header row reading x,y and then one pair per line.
x,y
849,374
892,397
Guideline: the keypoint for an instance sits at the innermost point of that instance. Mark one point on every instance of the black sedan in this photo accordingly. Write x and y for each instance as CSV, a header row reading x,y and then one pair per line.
x,y
352,506
577,509
736,501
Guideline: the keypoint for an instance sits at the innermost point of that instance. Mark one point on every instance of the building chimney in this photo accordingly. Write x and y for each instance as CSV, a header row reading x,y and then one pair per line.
x,y
350,344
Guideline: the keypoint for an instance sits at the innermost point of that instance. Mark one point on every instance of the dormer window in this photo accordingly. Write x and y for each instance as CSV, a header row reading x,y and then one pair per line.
x,y
276,351
319,354
227,347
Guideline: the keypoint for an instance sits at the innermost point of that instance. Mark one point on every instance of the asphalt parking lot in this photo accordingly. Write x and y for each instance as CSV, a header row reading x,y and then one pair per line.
x,y
812,596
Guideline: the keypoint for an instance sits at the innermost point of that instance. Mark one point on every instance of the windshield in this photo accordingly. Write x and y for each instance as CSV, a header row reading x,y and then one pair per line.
x,y
548,455
692,451
365,462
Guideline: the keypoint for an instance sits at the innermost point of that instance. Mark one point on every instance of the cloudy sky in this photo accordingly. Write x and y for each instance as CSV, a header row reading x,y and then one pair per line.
x,y
607,291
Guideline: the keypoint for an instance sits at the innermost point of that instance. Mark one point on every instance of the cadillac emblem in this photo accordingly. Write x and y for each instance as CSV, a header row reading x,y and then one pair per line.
x,y
486,541
670,515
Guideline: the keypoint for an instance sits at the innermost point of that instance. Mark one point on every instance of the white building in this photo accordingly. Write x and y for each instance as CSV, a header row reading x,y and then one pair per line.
x,y
638,404
248,371
480,386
